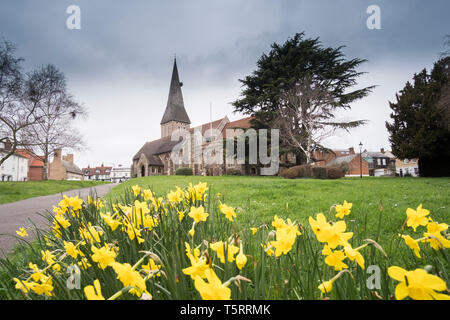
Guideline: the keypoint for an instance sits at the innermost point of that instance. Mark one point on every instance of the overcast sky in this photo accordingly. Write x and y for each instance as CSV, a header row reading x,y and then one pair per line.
x,y
119,63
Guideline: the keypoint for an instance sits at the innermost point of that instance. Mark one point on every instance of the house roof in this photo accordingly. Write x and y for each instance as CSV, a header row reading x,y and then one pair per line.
x,y
241,124
175,110
340,160
35,160
375,154
70,167
91,171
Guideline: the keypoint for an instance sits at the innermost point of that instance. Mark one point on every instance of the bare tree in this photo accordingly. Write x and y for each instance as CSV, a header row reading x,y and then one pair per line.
x,y
306,116
17,106
53,130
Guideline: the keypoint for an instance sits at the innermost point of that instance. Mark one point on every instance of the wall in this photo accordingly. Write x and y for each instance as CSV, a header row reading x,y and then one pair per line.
x,y
14,168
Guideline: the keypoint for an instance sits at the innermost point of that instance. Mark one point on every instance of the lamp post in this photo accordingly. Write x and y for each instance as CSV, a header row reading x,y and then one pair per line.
x,y
360,159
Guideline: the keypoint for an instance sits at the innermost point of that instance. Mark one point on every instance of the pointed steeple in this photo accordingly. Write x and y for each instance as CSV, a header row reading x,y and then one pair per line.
x,y
175,110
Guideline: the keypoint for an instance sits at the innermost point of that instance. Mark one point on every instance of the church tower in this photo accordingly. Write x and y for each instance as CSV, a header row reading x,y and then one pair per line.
x,y
175,116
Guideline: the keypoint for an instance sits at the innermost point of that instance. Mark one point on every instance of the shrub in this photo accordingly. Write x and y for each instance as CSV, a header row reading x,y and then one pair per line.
x,y
234,172
303,171
290,173
344,166
334,173
184,172
319,172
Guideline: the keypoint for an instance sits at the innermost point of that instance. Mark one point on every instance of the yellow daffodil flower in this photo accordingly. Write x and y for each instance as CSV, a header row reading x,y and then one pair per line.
x,y
417,217
227,211
94,292
198,214
343,209
104,256
22,232
213,289
417,284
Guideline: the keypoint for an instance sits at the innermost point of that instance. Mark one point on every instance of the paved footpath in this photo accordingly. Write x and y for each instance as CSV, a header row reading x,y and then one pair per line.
x,y
18,214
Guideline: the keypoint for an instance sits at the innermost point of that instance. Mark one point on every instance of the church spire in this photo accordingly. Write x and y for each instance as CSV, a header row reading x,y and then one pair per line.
x,y
175,110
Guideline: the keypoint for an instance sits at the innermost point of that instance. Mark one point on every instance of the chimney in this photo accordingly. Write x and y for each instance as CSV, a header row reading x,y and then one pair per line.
x,y
69,158
351,150
382,150
57,154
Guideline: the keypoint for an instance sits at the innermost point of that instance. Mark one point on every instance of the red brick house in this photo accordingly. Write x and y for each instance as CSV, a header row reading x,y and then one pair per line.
x,y
35,164
342,157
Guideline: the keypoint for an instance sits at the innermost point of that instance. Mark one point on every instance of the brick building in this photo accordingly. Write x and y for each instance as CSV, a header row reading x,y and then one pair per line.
x,y
63,167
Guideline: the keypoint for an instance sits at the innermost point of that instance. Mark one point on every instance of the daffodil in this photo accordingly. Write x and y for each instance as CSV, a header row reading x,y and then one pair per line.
x,y
104,256
148,194
334,258
220,248
254,230
241,258
24,286
227,211
334,234
198,214
197,268
354,254
152,267
413,244
417,284
417,217
136,190
61,221
213,289
129,277
71,249
94,292
110,221
326,286
343,209
22,232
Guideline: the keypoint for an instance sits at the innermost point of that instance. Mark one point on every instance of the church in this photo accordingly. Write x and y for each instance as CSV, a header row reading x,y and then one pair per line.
x,y
154,157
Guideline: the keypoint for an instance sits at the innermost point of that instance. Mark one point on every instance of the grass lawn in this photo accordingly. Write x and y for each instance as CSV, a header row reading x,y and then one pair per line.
x,y
260,198
15,191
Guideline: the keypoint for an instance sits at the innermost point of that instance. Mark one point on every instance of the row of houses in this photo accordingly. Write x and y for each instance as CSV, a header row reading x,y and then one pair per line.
x,y
25,165
368,163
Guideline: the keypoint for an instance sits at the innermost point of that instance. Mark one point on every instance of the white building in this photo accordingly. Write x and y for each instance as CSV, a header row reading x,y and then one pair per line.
x,y
15,168
120,173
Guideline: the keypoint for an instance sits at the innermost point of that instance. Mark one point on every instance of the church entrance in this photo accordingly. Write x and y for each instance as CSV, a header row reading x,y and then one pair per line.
x,y
143,171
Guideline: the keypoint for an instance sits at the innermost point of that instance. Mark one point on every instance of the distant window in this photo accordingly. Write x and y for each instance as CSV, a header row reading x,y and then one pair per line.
x,y
97,171
379,162
159,170
406,161
384,162
414,160
2,145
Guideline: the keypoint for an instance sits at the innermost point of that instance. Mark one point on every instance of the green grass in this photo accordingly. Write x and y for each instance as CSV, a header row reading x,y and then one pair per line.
x,y
260,198
15,191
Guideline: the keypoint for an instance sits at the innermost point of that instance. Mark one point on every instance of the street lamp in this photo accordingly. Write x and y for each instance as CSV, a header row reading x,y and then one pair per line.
x,y
360,159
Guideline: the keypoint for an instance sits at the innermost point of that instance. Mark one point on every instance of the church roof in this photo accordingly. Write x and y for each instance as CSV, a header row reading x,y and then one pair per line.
x,y
153,148
175,110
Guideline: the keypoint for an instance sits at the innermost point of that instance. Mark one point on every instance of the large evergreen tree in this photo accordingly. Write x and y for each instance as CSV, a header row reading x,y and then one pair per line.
x,y
283,70
420,126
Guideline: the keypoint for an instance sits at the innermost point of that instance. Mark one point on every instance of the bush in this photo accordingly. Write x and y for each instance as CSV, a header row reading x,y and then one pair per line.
x,y
334,173
234,172
319,172
290,173
303,171
183,172
344,166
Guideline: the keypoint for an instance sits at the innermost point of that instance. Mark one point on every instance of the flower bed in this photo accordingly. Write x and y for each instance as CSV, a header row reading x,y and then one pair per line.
x,y
189,244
